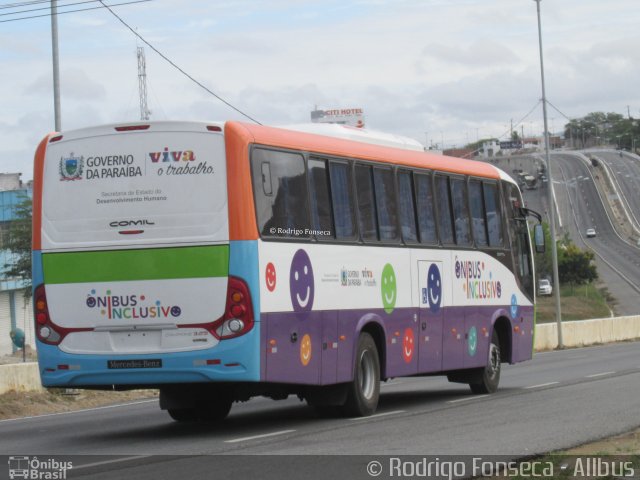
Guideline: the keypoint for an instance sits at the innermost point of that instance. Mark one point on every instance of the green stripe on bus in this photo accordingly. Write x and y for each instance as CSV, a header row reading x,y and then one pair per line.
x,y
142,264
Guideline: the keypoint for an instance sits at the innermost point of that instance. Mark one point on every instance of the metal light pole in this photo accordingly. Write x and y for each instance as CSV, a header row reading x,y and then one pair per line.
x,y
56,67
552,216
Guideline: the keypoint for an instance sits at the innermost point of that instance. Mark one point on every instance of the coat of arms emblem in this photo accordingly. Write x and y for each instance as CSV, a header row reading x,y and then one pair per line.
x,y
71,167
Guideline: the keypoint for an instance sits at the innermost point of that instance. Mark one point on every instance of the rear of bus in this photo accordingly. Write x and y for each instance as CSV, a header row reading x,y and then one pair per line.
x,y
131,258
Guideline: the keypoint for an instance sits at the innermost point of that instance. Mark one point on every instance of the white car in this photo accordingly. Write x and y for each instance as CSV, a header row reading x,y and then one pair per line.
x,y
544,287
591,232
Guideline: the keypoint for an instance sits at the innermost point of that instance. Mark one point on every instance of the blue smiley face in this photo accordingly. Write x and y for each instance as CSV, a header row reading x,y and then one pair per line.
x,y
434,288
514,306
301,282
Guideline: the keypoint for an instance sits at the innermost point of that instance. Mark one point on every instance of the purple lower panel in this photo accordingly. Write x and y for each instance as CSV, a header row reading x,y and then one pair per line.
x,y
318,348
523,335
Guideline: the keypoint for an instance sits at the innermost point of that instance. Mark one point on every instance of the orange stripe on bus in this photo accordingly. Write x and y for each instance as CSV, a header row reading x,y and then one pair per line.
x,y
38,172
278,137
242,214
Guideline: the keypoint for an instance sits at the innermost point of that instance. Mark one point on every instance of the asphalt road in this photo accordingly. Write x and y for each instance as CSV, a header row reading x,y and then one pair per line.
x,y
625,169
579,207
558,400
582,208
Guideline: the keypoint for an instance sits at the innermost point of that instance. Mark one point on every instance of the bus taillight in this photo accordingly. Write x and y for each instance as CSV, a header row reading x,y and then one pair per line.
x,y
238,314
44,327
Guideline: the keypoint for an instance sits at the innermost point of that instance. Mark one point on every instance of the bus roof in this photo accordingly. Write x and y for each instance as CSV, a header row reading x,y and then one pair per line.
x,y
357,148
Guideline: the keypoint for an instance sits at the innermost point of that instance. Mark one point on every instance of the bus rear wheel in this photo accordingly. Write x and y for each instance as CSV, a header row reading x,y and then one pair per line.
x,y
363,393
489,379
183,414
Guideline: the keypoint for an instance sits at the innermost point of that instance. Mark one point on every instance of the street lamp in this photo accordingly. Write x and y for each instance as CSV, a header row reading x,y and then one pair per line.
x,y
552,216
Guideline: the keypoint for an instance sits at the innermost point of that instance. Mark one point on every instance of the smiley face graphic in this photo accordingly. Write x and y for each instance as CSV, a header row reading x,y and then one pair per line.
x,y
305,350
434,288
301,282
472,341
407,345
514,306
388,288
270,277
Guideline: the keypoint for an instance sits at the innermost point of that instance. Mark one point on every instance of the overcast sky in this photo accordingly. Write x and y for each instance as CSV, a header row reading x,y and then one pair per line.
x,y
433,70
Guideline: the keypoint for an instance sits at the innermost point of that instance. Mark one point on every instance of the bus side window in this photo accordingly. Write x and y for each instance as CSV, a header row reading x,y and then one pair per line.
x,y
407,208
321,215
494,214
366,204
425,205
476,204
342,199
285,212
385,203
444,210
518,231
460,212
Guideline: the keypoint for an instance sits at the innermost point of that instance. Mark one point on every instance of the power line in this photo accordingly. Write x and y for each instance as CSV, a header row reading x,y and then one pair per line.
x,y
556,109
72,11
44,8
177,67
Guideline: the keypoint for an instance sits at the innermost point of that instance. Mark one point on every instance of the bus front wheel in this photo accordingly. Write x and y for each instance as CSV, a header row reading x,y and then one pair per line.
x,y
490,377
364,392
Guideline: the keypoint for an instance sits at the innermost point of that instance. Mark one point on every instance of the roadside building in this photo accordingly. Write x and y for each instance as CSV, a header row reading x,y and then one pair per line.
x,y
15,307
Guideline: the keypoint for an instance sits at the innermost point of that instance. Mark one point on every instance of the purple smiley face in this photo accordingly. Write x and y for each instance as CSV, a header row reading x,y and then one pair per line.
x,y
301,282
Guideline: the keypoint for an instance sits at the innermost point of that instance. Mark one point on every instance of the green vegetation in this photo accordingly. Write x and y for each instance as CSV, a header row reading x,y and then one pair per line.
x,y
579,297
599,128
17,240
576,303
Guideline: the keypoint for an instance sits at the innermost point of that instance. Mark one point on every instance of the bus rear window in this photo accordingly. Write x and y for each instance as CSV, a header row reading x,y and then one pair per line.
x,y
281,199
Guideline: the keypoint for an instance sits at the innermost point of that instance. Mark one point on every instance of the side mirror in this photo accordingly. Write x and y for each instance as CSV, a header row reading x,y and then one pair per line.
x,y
538,238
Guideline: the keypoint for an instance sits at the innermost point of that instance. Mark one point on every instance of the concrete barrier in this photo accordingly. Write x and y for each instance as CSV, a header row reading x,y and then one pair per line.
x,y
580,333
588,332
20,377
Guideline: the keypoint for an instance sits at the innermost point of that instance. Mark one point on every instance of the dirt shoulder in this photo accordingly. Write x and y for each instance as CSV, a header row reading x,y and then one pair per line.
x,y
57,400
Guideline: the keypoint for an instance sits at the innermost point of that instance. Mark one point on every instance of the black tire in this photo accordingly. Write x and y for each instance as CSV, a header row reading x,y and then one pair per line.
x,y
183,415
363,393
215,410
490,377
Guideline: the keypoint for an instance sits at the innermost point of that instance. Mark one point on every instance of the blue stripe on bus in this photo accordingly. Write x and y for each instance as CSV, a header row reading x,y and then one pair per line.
x,y
177,367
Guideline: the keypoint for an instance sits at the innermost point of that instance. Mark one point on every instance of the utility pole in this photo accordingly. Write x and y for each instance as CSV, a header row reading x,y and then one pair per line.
x,y
56,65
552,216
142,84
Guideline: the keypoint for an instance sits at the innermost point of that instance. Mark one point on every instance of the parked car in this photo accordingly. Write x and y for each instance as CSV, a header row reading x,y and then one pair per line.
x,y
544,287
591,232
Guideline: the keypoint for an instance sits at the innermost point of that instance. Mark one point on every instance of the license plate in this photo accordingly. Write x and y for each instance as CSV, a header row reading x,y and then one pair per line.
x,y
118,364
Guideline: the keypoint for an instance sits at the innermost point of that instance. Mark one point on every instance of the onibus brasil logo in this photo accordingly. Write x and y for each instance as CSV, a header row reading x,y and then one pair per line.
x,y
118,307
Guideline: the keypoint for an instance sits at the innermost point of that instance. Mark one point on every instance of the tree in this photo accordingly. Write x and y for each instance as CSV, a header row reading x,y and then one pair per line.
x,y
17,240
576,266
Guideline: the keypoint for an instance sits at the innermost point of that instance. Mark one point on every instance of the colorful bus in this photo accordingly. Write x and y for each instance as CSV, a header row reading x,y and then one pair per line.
x,y
221,261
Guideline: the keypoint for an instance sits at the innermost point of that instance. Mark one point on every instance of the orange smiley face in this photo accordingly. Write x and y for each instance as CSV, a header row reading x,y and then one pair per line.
x,y
305,350
270,277
407,345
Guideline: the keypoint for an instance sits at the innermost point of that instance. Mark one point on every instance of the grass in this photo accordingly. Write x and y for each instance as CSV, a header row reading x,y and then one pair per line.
x,y
580,302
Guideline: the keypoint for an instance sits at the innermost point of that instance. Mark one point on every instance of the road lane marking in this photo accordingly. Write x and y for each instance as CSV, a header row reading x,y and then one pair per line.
x,y
599,374
377,415
541,385
107,462
256,437
80,411
466,399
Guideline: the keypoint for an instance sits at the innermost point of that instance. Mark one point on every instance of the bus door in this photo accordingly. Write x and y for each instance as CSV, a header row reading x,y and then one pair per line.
x,y
431,315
